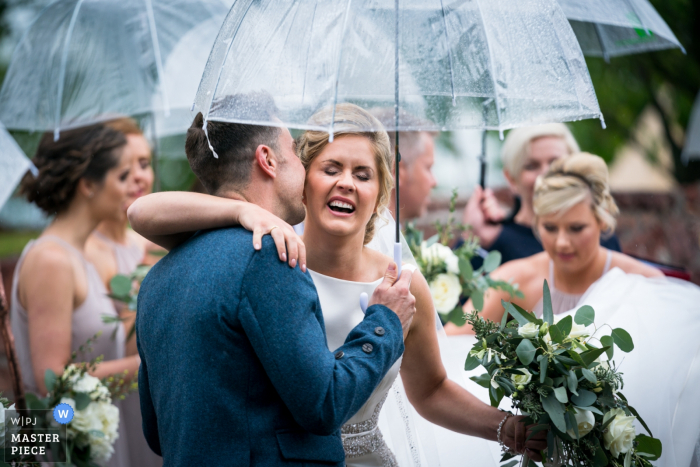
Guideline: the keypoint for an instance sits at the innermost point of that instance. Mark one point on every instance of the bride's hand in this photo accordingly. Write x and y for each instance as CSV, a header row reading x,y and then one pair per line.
x,y
261,222
515,434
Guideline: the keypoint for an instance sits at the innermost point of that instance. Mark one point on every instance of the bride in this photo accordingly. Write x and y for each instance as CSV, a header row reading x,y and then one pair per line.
x,y
348,185
573,208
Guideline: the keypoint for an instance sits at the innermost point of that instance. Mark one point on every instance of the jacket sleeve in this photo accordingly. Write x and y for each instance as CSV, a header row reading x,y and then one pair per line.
x,y
148,413
281,315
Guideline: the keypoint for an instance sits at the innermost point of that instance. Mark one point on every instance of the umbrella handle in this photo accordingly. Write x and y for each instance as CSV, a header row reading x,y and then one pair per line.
x,y
364,300
397,258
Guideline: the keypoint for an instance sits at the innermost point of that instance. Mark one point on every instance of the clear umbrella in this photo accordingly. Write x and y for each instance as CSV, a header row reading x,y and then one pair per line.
x,y
493,64
13,165
609,28
83,61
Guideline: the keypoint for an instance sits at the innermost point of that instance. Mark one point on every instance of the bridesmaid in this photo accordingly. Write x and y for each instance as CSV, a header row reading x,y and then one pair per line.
x,y
58,298
114,248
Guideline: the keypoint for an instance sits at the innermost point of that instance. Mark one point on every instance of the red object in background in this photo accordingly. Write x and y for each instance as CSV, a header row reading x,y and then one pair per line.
x,y
668,270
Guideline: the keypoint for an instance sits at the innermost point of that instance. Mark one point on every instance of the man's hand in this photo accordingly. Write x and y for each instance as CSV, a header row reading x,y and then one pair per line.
x,y
514,433
483,213
396,295
290,246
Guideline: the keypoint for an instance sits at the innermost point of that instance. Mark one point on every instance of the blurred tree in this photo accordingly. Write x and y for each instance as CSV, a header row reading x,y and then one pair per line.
x,y
666,80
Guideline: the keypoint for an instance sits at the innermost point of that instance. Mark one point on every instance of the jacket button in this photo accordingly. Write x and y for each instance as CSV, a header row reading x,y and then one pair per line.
x,y
339,354
367,348
379,331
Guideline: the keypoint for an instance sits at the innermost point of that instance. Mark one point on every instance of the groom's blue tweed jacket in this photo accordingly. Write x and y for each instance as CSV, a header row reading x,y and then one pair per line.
x,y
235,368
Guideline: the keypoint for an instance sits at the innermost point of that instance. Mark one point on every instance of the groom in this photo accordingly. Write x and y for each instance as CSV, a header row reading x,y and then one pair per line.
x,y
235,369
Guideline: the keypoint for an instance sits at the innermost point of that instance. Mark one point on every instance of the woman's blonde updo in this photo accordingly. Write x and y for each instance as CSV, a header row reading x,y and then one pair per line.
x,y
573,179
350,119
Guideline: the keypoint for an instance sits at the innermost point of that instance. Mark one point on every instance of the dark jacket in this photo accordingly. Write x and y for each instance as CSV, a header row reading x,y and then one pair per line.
x,y
235,368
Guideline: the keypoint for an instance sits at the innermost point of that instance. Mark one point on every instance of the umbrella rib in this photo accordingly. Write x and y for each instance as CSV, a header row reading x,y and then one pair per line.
x,y
337,70
228,50
308,50
493,78
157,56
449,52
62,71
641,21
606,55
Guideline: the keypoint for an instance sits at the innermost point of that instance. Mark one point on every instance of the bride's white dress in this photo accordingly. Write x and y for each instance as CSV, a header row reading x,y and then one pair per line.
x,y
387,431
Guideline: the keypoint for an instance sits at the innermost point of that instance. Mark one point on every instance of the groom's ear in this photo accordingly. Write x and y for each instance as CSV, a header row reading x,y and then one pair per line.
x,y
266,161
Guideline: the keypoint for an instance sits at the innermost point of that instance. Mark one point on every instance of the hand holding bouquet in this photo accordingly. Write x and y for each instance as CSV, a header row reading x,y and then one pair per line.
x,y
559,375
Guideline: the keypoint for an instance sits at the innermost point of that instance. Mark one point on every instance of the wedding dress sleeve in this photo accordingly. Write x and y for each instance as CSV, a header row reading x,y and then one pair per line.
x,y
281,316
414,440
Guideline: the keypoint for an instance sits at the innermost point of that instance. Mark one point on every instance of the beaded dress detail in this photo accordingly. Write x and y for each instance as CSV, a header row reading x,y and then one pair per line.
x,y
362,440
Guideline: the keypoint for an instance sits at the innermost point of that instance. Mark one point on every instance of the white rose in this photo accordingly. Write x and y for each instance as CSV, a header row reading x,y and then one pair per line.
x,y
585,422
523,379
619,436
578,330
13,428
529,331
85,383
437,254
445,289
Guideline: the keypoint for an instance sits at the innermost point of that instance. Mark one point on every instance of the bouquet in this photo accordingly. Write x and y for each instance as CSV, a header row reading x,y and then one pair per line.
x,y
556,375
94,428
125,289
449,273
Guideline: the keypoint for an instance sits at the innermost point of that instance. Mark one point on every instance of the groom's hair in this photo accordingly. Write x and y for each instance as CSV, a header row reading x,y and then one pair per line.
x,y
234,143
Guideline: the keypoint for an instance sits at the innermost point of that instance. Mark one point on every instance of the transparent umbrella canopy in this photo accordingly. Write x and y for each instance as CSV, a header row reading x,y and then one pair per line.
x,y
610,28
486,64
13,165
83,61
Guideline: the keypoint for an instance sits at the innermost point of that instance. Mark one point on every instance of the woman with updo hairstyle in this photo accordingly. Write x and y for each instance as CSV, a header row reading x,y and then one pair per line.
x,y
573,209
58,297
527,153
346,193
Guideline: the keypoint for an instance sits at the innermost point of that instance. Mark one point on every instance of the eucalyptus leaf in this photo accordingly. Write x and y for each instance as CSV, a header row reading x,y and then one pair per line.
x,y
504,321
589,375
521,318
622,339
590,356
511,463
432,240
560,394
82,400
555,410
543,368
120,285
649,445
572,382
585,315
607,341
565,325
555,334
636,414
590,409
465,269
571,420
526,352
483,380
492,261
477,297
50,379
547,313
584,398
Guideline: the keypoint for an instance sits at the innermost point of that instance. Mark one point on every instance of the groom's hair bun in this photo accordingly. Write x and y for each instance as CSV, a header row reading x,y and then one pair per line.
x,y
234,143
573,179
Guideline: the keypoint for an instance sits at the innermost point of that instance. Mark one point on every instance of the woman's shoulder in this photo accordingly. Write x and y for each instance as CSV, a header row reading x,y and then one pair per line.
x,y
633,266
47,259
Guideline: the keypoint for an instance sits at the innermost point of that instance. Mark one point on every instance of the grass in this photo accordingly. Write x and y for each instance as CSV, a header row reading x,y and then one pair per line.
x,y
12,242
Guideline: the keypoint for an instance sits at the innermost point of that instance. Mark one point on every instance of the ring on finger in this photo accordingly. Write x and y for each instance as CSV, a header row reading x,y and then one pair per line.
x,y
273,228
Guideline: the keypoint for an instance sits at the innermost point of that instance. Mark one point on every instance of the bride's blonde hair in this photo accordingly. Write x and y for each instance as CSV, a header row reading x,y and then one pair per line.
x,y
574,179
350,119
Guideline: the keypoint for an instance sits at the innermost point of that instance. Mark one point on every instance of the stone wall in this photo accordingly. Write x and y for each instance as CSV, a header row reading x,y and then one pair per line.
x,y
662,227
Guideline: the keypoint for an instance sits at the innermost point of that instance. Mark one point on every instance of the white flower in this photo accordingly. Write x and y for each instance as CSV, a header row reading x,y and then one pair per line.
x,y
523,379
585,422
100,421
529,331
85,383
619,436
13,428
445,289
578,330
437,254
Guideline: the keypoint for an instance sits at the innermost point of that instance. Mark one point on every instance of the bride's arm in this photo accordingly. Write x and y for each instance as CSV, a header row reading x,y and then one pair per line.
x,y
170,218
441,400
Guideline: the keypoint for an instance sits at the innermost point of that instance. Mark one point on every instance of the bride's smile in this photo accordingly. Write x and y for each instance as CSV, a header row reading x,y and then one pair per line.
x,y
342,187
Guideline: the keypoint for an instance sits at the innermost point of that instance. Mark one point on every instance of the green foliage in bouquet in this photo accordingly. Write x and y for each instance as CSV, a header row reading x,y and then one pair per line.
x,y
565,385
449,272
125,289
93,430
